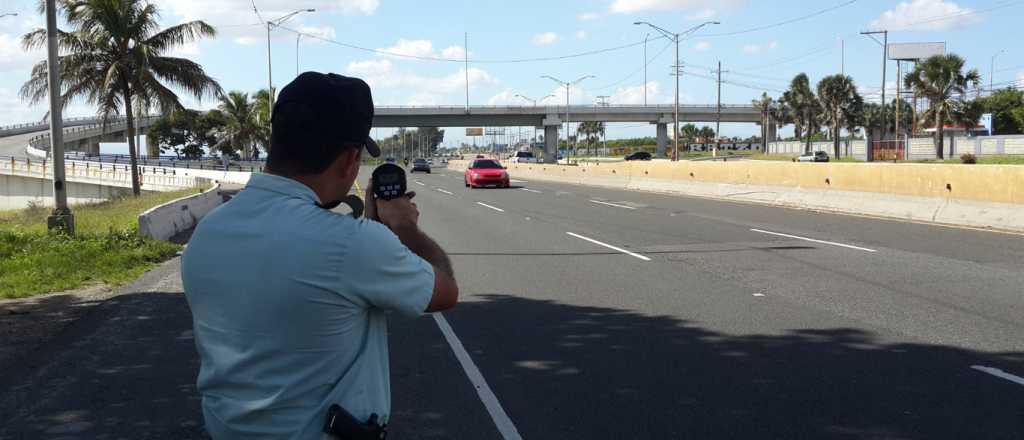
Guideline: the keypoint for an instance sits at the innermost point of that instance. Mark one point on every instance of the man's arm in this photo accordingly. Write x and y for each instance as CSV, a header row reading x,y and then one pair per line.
x,y
446,290
401,216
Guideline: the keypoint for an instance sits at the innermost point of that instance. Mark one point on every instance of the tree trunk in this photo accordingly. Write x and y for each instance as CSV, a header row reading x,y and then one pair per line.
x,y
938,135
132,148
835,138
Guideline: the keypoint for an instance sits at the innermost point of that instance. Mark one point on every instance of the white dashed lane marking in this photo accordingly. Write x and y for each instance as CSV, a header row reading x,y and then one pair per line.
x,y
614,248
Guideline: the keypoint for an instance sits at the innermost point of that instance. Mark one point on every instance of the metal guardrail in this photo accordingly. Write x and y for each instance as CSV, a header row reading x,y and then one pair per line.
x,y
41,141
44,124
213,164
153,178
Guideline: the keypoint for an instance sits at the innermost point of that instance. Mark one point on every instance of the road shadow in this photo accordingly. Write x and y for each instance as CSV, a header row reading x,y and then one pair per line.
x,y
567,371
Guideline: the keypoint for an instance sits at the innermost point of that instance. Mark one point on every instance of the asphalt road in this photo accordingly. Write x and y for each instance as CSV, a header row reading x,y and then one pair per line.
x,y
594,313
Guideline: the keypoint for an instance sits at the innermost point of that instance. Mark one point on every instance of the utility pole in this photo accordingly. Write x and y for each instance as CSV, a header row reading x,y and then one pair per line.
x,y
885,56
992,71
61,217
645,67
677,70
842,56
297,38
718,113
465,46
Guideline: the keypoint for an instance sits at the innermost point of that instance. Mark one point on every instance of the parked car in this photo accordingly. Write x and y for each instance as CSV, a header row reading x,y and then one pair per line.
x,y
389,160
817,156
486,172
639,155
420,165
523,157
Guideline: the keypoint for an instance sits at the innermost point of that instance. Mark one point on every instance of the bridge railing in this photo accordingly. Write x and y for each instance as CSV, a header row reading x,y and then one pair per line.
x,y
42,141
517,107
40,125
153,179
208,163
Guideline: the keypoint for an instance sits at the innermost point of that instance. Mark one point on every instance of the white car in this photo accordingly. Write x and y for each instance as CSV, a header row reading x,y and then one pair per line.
x,y
817,156
523,157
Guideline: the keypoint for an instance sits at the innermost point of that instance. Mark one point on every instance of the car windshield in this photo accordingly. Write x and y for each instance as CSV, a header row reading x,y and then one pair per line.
x,y
486,164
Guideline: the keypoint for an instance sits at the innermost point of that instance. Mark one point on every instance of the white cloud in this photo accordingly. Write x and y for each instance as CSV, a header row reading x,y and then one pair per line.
x,y
588,16
581,35
703,14
415,48
545,38
395,86
190,51
13,57
925,15
754,49
454,52
696,8
635,94
232,16
702,46
325,32
505,97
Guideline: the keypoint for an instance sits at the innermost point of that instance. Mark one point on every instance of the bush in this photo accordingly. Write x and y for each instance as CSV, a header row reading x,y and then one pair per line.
x,y
968,158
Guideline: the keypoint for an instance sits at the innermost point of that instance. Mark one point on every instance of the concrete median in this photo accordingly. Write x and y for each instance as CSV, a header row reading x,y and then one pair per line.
x,y
165,221
983,196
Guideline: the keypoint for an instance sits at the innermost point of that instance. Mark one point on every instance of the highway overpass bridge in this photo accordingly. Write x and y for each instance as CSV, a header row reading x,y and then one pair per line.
x,y
86,138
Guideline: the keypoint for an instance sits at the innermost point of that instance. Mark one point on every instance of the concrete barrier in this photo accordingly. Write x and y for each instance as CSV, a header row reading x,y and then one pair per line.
x,y
984,196
167,220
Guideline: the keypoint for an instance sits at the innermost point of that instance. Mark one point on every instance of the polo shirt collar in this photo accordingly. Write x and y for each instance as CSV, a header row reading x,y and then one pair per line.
x,y
283,186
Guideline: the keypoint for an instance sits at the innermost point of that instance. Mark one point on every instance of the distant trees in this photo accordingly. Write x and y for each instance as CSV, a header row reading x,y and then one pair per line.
x,y
1007,108
240,130
942,81
804,106
591,131
188,133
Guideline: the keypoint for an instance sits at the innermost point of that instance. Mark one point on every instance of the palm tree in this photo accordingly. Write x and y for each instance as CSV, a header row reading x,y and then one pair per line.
x,y
591,131
687,133
942,82
805,107
764,105
115,59
841,104
261,102
240,131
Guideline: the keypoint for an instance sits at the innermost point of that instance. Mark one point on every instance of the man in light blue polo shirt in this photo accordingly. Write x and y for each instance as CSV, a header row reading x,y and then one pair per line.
x,y
288,299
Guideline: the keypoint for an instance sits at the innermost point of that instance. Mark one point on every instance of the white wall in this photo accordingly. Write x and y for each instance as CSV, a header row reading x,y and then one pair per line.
x,y
165,221
16,192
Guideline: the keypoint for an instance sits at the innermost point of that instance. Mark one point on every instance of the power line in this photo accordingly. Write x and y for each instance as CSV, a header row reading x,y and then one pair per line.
x,y
781,23
627,77
462,60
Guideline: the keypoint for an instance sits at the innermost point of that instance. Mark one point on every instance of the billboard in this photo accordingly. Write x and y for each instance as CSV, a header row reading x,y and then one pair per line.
x,y
474,131
915,51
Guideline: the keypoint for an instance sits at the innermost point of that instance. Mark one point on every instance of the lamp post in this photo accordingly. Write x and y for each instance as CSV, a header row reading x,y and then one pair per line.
x,y
9,14
61,217
568,85
534,102
270,69
674,37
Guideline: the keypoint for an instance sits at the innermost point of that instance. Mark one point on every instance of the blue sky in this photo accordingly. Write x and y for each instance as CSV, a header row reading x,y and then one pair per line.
x,y
760,60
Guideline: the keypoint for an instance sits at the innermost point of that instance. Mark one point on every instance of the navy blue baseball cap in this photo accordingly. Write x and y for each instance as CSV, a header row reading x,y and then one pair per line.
x,y
331,108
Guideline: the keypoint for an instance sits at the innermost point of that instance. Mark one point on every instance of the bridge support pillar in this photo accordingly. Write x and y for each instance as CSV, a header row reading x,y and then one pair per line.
x,y
662,129
551,125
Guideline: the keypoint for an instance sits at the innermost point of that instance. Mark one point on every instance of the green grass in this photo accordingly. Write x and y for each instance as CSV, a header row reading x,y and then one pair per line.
x,y
774,157
999,159
106,248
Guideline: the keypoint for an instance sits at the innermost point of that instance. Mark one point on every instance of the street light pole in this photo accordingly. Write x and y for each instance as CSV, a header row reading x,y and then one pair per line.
x,y
568,85
674,37
885,56
534,102
270,69
645,67
9,14
60,218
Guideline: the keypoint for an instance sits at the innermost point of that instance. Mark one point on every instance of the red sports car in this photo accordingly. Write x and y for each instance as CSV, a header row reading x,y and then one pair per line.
x,y
486,172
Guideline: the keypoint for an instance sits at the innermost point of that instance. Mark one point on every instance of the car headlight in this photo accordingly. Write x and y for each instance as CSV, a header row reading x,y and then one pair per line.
x,y
476,175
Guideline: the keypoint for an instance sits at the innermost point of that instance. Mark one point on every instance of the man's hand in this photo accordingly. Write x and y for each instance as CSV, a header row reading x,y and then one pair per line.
x,y
396,213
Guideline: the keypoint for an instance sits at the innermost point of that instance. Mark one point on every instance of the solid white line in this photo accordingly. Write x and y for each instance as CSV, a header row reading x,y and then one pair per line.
x,y
420,183
531,190
632,254
444,191
613,204
815,240
999,373
489,206
501,420
517,181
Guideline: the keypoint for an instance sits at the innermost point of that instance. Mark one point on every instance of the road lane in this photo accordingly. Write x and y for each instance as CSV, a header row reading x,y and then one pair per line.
x,y
680,346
